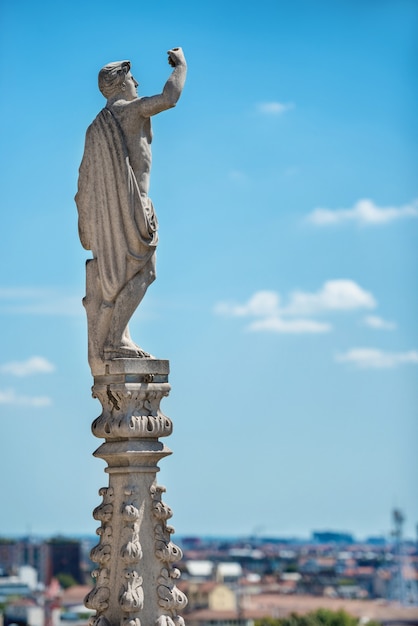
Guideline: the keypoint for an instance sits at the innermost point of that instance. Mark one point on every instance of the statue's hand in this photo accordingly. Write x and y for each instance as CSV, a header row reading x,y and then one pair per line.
x,y
176,57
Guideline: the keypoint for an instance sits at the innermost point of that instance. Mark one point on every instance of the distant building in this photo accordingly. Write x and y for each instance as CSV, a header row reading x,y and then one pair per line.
x,y
24,612
191,543
31,552
8,556
376,541
18,553
228,572
63,557
11,586
209,595
212,604
50,558
199,570
28,574
332,537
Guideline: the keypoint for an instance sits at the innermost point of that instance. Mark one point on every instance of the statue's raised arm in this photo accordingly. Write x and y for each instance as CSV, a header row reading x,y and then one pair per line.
x,y
117,221
172,89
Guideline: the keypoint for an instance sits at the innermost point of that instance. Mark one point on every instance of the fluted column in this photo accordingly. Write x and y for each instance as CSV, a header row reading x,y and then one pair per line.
x,y
135,557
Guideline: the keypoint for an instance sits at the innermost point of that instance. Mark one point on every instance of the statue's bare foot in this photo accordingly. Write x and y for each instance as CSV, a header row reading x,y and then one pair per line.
x,y
131,345
125,352
128,343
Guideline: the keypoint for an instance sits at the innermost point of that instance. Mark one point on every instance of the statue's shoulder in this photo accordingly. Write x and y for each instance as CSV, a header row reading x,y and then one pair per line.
x,y
104,116
129,108
105,130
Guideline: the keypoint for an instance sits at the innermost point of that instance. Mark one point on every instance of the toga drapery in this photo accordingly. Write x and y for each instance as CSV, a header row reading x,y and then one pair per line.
x,y
114,221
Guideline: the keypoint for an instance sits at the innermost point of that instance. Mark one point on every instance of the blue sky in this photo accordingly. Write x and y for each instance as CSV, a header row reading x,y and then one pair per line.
x,y
286,190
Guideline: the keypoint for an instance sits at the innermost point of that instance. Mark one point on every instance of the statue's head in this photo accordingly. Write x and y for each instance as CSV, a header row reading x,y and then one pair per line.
x,y
112,76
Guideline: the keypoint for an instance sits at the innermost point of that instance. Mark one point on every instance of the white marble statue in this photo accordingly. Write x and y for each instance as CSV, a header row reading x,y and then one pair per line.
x,y
117,221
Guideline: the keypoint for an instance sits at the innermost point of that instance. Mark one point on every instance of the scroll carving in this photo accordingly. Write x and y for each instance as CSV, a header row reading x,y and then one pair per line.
x,y
98,620
161,510
130,621
101,552
166,620
104,511
170,598
98,597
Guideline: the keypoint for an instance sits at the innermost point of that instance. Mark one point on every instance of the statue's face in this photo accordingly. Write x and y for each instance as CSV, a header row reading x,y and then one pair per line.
x,y
130,92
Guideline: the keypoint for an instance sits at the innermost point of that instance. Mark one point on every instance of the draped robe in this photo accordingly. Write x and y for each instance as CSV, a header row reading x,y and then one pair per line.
x,y
115,222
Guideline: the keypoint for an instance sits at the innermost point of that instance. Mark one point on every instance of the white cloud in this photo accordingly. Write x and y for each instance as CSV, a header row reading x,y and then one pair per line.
x,y
39,301
10,397
34,365
298,326
371,358
334,295
261,304
363,212
274,108
373,321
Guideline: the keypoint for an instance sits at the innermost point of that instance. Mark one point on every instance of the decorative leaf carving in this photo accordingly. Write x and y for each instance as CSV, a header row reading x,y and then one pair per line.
x,y
132,595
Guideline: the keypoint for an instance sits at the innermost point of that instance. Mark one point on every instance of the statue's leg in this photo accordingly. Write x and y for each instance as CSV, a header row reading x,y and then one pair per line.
x,y
99,314
127,339
119,342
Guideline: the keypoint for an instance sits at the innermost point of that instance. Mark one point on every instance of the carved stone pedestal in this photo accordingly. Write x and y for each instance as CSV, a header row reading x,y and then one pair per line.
x,y
135,575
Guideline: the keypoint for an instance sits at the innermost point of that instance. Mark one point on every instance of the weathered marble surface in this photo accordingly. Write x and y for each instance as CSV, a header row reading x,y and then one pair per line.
x,y
117,221
135,557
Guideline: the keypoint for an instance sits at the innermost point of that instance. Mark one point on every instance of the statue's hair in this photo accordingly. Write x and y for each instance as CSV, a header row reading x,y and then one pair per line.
x,y
111,77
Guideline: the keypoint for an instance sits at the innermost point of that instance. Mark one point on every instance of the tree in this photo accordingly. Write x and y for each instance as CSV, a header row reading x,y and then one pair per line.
x,y
66,580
